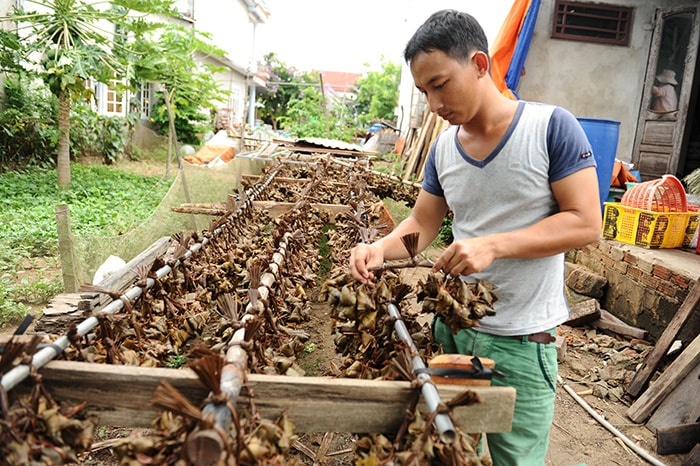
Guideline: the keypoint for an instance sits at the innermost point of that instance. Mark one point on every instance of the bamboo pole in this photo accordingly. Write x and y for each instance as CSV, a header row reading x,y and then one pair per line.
x,y
440,126
417,151
207,442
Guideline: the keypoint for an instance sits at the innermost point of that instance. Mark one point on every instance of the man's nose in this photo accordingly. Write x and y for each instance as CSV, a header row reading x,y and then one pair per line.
x,y
434,103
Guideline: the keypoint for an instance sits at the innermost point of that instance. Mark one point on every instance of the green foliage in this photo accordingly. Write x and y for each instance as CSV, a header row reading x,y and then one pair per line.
x,y
307,116
176,361
444,236
102,202
28,133
11,311
92,134
166,57
65,43
378,93
285,84
37,291
27,125
294,102
190,120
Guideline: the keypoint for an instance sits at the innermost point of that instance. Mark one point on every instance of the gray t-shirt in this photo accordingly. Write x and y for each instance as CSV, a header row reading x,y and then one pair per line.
x,y
509,190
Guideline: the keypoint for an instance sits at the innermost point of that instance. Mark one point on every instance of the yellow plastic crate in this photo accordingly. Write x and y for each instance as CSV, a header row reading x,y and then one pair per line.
x,y
644,227
690,229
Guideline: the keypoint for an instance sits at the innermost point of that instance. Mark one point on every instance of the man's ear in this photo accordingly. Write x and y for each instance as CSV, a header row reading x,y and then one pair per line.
x,y
482,62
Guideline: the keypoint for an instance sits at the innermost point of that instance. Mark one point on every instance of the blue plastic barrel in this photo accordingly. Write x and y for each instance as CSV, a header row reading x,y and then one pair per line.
x,y
603,136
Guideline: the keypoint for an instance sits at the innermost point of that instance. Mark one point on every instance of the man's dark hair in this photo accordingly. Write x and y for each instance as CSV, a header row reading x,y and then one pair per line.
x,y
453,32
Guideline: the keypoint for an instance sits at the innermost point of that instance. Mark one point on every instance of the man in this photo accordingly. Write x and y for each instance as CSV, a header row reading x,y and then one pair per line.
x,y
521,183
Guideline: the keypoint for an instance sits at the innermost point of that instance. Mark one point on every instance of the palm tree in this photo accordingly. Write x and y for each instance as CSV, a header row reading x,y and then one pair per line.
x,y
65,42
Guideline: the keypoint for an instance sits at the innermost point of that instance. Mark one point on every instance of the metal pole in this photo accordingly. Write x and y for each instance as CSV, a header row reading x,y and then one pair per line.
x,y
251,83
443,423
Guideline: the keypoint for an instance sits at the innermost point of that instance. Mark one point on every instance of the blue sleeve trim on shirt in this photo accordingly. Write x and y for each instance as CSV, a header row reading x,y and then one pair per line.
x,y
431,183
568,146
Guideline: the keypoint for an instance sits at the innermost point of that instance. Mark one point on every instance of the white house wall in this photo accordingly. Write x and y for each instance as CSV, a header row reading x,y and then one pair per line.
x,y
227,22
230,28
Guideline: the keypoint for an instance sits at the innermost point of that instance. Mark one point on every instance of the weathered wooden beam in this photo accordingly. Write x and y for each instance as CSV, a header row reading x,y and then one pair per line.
x,y
677,439
121,396
671,377
284,180
680,406
693,458
608,321
273,208
641,378
276,209
124,278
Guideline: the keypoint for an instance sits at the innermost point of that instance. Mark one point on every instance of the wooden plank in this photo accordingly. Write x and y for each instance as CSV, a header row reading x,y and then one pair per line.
x,y
680,406
60,313
440,126
121,396
693,458
269,149
124,279
608,321
417,149
658,133
641,378
64,303
655,394
283,180
276,209
213,209
677,439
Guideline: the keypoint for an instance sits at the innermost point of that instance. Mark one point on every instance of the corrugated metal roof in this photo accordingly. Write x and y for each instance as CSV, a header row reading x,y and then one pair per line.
x,y
330,144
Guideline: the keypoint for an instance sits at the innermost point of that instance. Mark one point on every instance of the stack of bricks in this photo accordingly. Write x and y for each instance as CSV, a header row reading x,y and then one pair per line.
x,y
642,291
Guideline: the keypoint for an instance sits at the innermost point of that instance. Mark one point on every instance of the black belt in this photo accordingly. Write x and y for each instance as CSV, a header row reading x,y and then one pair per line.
x,y
540,337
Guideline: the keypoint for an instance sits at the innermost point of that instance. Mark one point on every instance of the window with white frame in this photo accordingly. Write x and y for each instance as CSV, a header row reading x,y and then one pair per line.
x,y
115,100
144,100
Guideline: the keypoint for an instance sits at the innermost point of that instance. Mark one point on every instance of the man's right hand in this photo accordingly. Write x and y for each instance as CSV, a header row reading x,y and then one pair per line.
x,y
362,257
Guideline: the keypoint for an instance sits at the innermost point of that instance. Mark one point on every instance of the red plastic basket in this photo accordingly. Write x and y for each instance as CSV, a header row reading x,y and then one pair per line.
x,y
665,194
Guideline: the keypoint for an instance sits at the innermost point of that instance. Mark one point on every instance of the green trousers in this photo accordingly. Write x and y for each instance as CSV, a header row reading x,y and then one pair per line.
x,y
531,368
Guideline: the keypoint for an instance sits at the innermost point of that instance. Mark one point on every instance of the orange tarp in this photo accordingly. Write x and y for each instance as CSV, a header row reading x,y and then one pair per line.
x,y
503,47
621,176
208,153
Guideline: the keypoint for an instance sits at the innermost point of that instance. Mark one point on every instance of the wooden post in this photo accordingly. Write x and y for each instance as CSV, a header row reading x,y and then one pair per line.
x,y
643,375
174,144
69,264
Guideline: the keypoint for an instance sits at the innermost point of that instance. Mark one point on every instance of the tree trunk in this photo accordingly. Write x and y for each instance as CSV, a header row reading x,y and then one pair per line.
x,y
63,161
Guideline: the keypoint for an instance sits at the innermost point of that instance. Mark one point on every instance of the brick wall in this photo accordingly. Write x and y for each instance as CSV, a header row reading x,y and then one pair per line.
x,y
643,290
